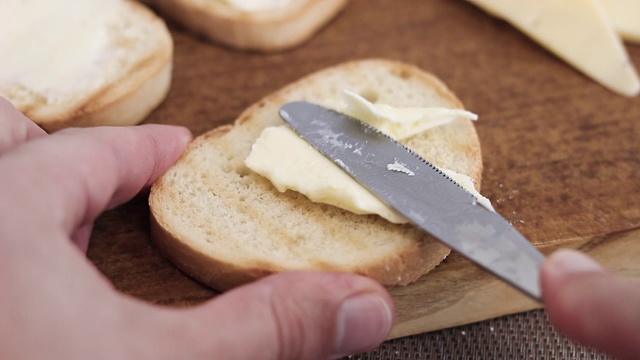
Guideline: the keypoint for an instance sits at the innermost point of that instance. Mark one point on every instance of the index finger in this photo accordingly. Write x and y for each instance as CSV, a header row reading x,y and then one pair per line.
x,y
78,173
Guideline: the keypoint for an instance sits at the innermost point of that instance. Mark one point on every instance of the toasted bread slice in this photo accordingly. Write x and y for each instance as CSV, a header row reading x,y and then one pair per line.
x,y
84,63
225,225
267,28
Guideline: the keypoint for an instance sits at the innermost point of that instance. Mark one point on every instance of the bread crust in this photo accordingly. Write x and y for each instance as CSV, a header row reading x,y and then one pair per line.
x,y
127,103
266,31
225,225
125,100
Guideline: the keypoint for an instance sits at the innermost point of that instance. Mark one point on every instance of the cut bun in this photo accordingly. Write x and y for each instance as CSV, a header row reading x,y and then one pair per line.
x,y
225,225
267,30
127,72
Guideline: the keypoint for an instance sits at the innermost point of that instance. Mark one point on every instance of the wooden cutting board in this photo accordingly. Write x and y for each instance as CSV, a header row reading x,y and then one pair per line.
x,y
561,153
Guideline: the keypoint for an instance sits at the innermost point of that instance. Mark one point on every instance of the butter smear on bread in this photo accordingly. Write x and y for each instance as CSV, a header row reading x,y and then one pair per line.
x,y
78,50
290,163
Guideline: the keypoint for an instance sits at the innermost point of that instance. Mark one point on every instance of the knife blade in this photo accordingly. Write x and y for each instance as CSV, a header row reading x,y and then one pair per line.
x,y
421,192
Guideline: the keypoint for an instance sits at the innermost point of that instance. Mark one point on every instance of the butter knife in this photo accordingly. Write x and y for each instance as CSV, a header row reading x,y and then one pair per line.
x,y
421,192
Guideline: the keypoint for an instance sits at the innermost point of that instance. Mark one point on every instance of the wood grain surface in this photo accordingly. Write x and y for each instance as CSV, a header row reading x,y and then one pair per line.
x,y
561,153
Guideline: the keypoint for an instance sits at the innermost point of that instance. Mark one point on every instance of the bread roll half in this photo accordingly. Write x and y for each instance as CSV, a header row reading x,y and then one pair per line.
x,y
260,25
84,63
225,225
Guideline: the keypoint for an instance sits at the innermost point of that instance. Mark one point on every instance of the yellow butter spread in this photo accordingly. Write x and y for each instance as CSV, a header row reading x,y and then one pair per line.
x,y
290,163
400,123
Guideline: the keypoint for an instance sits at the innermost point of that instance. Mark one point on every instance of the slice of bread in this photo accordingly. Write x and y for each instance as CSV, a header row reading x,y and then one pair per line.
x,y
84,64
225,225
286,24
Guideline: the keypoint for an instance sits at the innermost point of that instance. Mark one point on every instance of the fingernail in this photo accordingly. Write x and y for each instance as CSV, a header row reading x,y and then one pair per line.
x,y
569,261
185,135
364,321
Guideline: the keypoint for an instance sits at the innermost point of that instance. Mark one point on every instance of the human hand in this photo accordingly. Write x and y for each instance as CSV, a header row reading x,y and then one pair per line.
x,y
592,306
56,305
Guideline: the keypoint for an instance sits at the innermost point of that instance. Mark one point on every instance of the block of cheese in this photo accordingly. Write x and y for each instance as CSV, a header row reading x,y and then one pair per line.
x,y
577,31
82,63
625,17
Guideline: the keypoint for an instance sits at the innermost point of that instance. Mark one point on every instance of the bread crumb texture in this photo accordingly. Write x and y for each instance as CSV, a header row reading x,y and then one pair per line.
x,y
225,225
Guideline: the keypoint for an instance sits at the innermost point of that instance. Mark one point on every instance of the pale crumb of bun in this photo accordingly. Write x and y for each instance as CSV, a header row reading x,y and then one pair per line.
x,y
225,225
268,31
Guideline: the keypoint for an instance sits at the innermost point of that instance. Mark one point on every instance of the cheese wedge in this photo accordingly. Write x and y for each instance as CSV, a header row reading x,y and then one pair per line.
x,y
625,17
577,31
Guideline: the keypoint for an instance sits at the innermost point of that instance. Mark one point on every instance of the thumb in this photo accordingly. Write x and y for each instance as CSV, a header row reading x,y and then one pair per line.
x,y
294,315
591,305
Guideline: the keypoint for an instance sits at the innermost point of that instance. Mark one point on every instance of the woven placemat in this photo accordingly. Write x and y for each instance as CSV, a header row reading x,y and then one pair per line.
x,y
526,335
